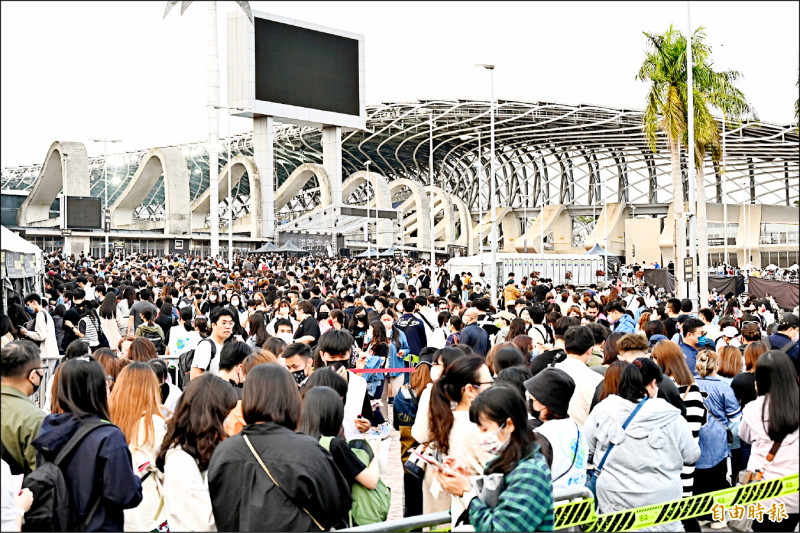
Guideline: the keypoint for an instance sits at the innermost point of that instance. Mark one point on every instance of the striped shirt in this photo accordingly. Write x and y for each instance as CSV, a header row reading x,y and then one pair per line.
x,y
88,327
696,416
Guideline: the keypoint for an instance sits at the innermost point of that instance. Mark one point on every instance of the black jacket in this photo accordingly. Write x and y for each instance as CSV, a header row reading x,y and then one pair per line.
x,y
245,499
101,465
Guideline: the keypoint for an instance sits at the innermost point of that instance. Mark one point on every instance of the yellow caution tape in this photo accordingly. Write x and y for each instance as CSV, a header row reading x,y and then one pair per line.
x,y
582,512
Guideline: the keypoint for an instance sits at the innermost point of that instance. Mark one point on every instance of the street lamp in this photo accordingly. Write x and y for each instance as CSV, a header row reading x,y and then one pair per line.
x,y
366,226
105,184
230,192
63,204
493,204
433,199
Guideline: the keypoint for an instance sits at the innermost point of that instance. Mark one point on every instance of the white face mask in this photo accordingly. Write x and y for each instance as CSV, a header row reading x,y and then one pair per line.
x,y
212,298
286,337
235,302
492,444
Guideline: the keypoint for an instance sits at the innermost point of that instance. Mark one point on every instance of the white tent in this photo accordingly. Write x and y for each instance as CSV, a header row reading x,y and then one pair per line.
x,y
771,267
793,267
12,242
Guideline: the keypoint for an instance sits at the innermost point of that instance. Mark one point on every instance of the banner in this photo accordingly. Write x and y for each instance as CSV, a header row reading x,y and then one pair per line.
x,y
724,285
787,295
660,278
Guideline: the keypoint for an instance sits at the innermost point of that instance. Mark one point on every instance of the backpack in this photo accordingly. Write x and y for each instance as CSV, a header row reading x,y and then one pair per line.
x,y
52,503
155,338
187,358
369,505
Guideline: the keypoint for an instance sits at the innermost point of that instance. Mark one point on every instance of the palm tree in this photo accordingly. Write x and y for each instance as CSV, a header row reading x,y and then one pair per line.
x,y
666,109
212,94
665,68
715,90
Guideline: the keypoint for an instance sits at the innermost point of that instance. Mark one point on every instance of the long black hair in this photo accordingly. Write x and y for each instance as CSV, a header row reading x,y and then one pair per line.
x,y
498,404
776,378
82,388
449,388
636,377
323,413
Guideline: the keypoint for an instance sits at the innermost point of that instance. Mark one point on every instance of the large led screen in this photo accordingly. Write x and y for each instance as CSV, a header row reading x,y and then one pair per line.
x,y
306,68
83,212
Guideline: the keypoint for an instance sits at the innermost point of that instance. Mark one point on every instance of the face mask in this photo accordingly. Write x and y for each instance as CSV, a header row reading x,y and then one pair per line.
x,y
492,444
235,303
29,310
336,365
198,296
299,376
701,340
286,337
212,298
322,315
283,311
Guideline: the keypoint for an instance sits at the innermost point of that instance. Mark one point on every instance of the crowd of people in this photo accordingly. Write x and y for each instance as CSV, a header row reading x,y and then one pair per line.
x,y
190,395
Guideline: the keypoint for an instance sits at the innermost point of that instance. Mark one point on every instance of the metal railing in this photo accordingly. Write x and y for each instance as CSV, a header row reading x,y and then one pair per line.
x,y
410,523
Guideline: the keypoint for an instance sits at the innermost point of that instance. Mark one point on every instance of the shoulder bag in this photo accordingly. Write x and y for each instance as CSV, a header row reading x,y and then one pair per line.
x,y
750,476
264,467
591,477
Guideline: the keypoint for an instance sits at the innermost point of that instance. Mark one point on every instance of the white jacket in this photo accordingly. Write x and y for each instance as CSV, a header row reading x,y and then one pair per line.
x,y
187,501
44,331
149,514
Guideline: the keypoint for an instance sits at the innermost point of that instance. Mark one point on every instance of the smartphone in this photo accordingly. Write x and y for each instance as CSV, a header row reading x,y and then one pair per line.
x,y
431,461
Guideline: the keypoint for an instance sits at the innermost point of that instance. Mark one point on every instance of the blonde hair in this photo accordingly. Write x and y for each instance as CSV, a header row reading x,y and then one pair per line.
x,y
707,363
136,396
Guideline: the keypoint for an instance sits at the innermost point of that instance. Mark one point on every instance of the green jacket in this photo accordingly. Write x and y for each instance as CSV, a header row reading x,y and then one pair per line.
x,y
21,421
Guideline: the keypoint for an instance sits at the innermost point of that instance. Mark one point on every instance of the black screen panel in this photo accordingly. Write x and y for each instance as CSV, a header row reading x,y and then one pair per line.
x,y
306,68
83,212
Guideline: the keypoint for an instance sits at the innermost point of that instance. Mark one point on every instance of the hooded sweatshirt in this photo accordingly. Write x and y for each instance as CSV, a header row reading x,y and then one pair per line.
x,y
644,467
625,324
99,465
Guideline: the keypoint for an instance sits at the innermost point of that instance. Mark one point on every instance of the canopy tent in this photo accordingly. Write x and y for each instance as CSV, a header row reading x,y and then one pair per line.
x,y
771,267
269,247
292,248
597,250
370,252
390,252
793,267
21,264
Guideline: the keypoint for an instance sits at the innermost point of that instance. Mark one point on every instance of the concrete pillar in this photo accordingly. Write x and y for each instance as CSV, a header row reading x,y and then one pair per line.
x,y
76,245
265,161
332,160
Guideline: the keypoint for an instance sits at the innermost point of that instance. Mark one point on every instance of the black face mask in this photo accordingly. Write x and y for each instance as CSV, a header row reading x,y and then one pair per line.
x,y
322,315
198,296
299,376
336,365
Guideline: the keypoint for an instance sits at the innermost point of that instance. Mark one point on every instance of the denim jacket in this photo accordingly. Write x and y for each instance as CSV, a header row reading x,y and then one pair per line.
x,y
722,405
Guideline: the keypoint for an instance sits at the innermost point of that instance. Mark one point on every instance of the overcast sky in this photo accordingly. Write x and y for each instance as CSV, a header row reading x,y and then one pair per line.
x,y
73,71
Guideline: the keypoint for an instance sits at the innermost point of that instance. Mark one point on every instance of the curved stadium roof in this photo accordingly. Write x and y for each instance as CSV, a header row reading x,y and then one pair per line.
x,y
556,153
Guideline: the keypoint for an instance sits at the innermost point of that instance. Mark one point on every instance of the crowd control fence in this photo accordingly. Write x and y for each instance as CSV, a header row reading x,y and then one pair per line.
x,y
577,508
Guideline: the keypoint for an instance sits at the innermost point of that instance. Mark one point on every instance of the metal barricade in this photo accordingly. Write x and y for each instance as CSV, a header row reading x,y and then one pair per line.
x,y
410,523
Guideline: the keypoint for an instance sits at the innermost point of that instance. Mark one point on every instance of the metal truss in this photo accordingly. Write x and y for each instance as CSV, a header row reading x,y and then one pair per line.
x,y
546,153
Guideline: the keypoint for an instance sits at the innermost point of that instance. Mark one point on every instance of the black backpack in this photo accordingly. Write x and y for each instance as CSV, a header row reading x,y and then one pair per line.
x,y
52,503
187,358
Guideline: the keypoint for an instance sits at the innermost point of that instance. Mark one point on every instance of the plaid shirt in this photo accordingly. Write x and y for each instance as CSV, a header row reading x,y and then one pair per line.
x,y
526,503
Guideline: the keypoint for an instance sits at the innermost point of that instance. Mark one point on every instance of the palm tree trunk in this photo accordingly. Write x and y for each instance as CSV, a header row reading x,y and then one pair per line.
x,y
702,236
212,95
677,212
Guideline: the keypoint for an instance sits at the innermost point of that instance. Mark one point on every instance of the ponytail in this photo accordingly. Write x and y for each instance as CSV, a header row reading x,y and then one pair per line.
x,y
448,391
635,378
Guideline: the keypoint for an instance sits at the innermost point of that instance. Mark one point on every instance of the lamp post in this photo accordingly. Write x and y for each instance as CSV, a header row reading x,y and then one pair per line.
x,y
493,205
724,205
63,204
105,183
693,287
230,189
366,226
433,199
